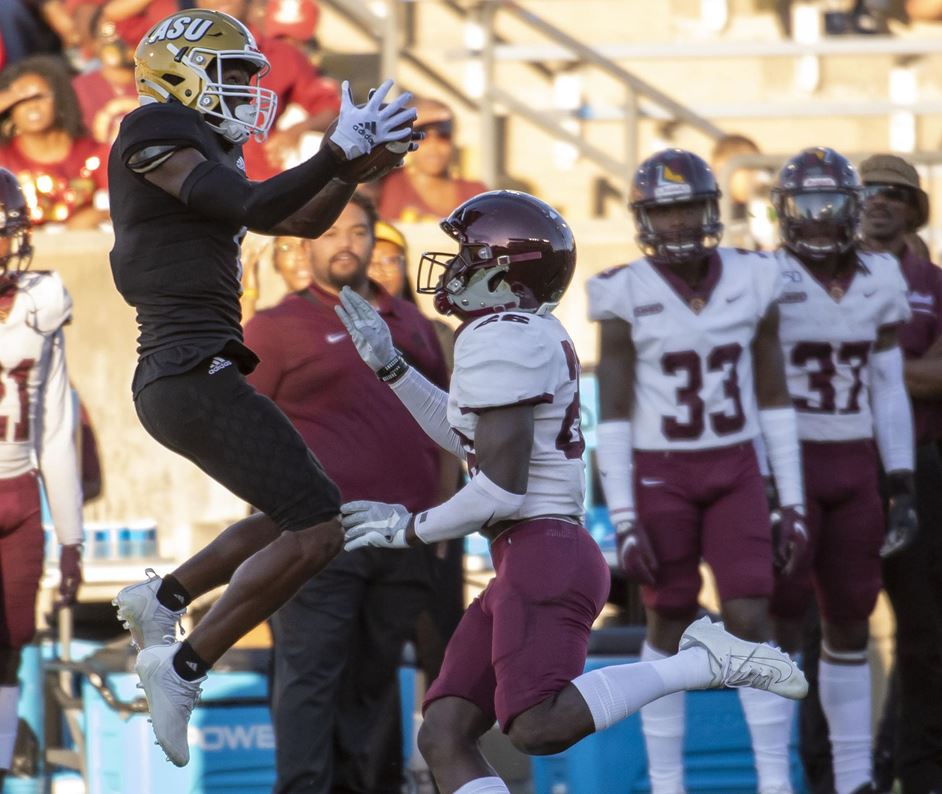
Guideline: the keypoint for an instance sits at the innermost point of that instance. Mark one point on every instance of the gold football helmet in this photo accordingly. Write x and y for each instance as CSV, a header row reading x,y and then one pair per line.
x,y
182,59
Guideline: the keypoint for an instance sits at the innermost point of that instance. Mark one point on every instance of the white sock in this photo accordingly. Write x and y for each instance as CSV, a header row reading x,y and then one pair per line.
x,y
612,693
769,718
663,722
845,700
484,785
9,697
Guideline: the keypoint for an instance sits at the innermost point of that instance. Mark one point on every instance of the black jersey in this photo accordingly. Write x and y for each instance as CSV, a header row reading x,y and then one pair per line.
x,y
180,270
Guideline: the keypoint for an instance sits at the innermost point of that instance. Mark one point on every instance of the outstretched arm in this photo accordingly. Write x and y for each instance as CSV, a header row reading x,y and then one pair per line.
x,y
503,442
424,400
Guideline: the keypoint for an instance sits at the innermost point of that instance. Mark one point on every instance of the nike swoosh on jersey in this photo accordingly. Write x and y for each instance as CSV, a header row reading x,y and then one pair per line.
x,y
332,339
735,297
870,294
651,482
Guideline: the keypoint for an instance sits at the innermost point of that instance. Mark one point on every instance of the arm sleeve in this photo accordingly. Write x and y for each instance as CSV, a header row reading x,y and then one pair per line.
x,y
616,468
480,503
429,407
58,461
892,412
504,362
218,192
780,437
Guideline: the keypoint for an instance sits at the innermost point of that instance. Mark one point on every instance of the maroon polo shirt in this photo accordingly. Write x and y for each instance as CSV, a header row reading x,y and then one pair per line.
x,y
367,441
925,300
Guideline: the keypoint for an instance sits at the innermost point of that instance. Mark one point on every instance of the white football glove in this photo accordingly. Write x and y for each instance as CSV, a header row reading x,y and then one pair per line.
x,y
367,329
378,524
359,129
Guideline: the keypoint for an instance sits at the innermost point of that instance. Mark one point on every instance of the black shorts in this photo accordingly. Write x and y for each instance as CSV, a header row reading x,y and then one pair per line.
x,y
241,439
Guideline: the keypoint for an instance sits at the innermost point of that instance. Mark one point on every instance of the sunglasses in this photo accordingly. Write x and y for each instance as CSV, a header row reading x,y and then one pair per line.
x,y
440,129
888,193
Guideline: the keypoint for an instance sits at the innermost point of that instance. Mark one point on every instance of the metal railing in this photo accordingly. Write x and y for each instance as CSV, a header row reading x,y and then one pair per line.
x,y
634,87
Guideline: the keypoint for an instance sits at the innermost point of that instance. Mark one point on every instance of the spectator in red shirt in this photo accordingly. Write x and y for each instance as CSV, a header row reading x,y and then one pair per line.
x,y
426,188
107,94
45,144
338,642
296,81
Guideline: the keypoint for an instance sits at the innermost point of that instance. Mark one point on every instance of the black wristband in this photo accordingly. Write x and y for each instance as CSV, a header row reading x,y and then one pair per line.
x,y
394,370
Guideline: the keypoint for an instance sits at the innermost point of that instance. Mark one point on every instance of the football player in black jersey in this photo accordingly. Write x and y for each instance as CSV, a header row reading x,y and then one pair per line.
x,y
180,206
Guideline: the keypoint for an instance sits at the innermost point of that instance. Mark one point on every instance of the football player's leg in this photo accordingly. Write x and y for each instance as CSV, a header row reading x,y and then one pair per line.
x,y
847,580
737,543
673,523
459,707
21,559
246,443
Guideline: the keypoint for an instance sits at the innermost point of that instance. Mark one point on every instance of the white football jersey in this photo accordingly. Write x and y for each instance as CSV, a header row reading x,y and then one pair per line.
x,y
693,383
828,341
37,415
514,358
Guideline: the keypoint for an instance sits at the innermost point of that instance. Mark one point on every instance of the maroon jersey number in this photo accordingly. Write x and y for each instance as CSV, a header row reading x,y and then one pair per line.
x,y
19,375
688,362
821,378
570,439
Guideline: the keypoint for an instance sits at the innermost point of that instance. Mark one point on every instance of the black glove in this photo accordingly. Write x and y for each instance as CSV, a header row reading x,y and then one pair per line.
x,y
902,525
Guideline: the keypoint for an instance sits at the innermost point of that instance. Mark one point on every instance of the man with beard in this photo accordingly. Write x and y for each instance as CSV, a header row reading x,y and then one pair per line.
x,y
338,641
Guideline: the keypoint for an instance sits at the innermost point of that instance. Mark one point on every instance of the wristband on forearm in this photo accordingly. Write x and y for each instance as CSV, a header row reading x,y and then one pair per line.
x,y
394,370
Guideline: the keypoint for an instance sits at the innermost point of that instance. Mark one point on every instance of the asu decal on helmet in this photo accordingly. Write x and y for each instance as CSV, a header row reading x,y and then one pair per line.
x,y
817,198
515,253
183,59
16,250
675,176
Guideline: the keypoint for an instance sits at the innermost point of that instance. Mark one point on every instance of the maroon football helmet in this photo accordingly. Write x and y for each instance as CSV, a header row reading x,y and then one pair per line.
x,y
16,249
671,177
817,198
515,253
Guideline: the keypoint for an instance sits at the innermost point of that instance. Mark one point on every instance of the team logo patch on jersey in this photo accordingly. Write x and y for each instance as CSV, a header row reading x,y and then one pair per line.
x,y
218,363
177,27
793,297
648,309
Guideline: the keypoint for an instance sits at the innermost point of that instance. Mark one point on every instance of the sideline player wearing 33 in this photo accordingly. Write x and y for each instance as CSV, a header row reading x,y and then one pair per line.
x,y
690,373
513,413
180,206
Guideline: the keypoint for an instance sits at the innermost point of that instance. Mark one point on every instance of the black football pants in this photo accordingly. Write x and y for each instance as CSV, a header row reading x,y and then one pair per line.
x,y
335,694
913,581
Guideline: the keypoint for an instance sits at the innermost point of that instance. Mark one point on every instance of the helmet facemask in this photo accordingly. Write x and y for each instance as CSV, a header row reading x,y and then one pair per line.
x,y
16,249
818,224
471,282
679,246
254,106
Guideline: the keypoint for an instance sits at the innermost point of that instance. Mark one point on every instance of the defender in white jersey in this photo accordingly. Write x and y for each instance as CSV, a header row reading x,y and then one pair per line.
x,y
690,373
840,310
36,439
513,413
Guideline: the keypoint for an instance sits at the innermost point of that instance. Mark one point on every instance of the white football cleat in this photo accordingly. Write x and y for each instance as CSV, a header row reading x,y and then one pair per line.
x,y
170,698
149,621
738,663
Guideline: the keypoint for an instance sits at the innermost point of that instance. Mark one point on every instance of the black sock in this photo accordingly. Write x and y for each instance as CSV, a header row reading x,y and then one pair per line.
x,y
187,664
172,594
